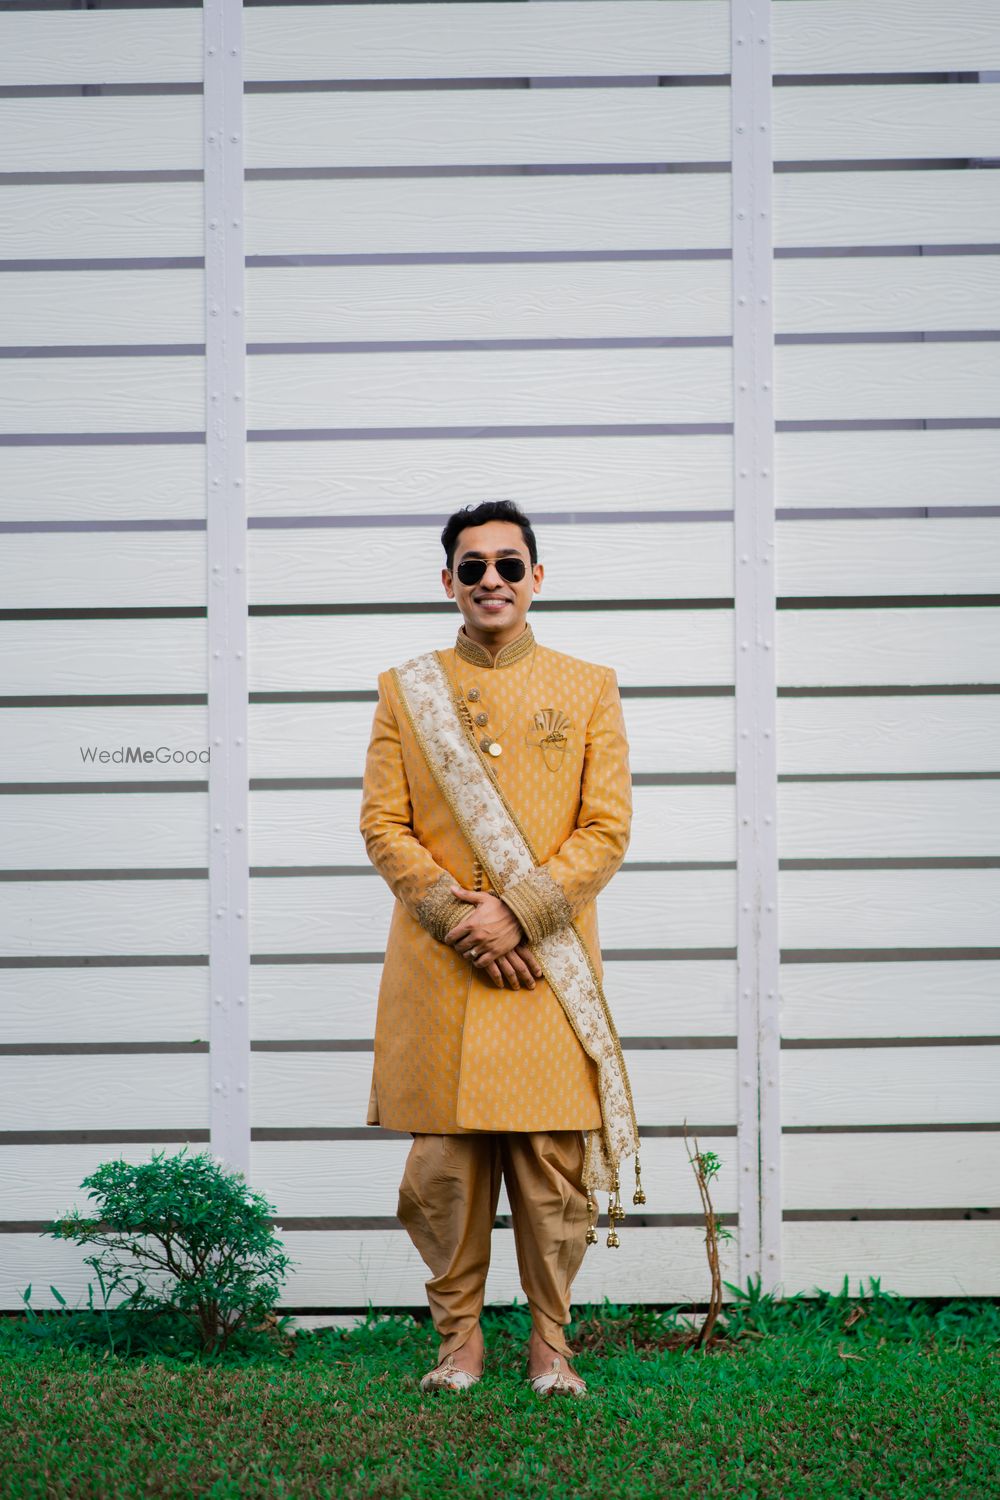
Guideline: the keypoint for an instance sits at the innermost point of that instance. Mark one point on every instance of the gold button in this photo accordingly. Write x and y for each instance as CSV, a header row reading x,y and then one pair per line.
x,y
486,743
482,718
473,695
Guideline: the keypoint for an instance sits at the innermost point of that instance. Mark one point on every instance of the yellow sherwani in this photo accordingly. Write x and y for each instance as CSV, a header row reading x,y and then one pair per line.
x,y
453,1053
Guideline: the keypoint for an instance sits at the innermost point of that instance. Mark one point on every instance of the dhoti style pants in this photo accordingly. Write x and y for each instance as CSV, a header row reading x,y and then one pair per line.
x,y
448,1201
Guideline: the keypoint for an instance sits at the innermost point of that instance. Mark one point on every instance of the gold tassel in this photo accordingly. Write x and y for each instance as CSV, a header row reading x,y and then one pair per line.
x,y
638,1196
615,1215
591,1216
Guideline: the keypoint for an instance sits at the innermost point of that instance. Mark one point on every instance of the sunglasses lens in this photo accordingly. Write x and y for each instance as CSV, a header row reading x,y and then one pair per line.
x,y
474,569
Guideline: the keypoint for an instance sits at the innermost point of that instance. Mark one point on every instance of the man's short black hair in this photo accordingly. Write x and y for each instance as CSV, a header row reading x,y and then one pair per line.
x,y
478,515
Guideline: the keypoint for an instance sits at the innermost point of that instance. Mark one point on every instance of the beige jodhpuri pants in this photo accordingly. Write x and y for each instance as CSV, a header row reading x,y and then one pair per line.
x,y
448,1201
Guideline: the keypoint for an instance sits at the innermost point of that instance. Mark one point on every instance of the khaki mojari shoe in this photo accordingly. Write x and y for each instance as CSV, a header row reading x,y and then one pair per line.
x,y
446,1377
557,1382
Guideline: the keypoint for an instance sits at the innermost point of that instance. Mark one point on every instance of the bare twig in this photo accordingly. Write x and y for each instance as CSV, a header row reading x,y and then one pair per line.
x,y
705,1166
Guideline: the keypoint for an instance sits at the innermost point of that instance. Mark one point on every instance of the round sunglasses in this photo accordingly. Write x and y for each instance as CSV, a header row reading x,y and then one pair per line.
x,y
474,568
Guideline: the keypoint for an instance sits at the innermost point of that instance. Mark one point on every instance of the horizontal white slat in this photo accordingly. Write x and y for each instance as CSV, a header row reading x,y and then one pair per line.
x,y
114,570
127,393
840,735
322,216
887,908
685,646
891,999
473,127
62,220
952,732
114,46
64,744
896,35
330,1089
164,830
463,388
154,1003
331,1178
909,1169
350,914
912,1259
631,386
885,293
92,1092
611,211
646,647
318,1002
64,481
690,997
497,40
687,472
103,307
890,1085
102,656
434,476
354,1177
857,381
912,468
582,562
477,127
852,122
888,557
352,1269
894,645
107,133
873,820
330,739
321,827
316,827
547,300
939,206
51,918
535,300
335,914
489,40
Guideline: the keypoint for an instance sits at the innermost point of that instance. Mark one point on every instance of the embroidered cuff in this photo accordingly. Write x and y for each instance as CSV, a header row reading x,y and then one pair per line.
x,y
440,911
539,904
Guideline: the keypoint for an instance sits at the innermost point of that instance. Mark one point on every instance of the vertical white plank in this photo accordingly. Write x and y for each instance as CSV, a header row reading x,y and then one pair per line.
x,y
758,1118
225,443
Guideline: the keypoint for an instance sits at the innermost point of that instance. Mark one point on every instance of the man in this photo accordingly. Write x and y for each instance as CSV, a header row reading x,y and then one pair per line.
x,y
497,804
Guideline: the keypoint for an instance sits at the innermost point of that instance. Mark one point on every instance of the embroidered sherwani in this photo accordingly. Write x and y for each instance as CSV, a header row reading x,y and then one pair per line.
x,y
454,1053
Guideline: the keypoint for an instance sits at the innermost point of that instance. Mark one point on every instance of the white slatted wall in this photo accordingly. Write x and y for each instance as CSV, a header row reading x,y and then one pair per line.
x,y
490,253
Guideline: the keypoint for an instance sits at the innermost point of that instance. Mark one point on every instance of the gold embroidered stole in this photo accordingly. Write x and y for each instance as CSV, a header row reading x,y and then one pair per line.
x,y
492,831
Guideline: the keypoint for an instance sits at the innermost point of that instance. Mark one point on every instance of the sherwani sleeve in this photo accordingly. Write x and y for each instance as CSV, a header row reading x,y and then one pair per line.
x,y
557,890
410,871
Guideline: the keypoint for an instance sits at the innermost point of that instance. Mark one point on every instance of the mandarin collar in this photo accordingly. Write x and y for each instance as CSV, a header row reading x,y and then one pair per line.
x,y
470,650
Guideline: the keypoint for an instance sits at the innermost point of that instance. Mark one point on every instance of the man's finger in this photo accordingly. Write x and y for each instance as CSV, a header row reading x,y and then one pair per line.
x,y
509,973
523,952
522,971
456,934
493,971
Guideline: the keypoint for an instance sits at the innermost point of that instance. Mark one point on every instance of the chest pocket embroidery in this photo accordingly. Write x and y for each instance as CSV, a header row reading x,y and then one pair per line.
x,y
549,734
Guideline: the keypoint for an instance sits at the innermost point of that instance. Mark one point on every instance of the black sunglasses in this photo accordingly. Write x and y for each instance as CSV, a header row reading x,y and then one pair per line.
x,y
474,568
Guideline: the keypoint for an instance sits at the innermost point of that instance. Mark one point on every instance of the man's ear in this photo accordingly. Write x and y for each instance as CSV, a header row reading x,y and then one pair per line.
x,y
447,581
538,573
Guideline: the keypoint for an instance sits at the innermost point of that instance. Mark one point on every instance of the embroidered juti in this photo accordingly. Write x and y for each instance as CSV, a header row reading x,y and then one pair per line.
x,y
455,1055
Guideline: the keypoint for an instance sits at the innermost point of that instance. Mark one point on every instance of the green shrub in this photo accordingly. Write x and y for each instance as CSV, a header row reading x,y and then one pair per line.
x,y
181,1235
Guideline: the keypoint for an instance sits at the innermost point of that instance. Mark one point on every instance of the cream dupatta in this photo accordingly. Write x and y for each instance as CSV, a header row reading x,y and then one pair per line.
x,y
492,831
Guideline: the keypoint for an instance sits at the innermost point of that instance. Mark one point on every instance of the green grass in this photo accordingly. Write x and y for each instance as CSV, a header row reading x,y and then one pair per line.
x,y
810,1398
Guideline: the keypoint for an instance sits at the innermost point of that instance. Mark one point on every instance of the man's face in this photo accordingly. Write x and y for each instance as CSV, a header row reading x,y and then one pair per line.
x,y
494,609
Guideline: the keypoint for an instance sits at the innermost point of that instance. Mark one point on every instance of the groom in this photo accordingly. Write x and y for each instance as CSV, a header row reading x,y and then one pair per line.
x,y
496,805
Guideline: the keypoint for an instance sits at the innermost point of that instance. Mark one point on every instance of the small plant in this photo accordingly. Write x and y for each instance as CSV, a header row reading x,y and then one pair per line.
x,y
181,1235
706,1166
